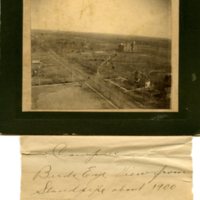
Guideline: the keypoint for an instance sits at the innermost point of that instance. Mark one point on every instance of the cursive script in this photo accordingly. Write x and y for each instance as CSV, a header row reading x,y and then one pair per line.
x,y
62,151
109,170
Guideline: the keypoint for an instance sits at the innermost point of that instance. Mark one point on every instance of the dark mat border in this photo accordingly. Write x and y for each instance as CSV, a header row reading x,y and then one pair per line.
x,y
14,121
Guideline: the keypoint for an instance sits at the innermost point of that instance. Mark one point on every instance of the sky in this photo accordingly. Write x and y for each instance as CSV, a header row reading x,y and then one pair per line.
x,y
127,17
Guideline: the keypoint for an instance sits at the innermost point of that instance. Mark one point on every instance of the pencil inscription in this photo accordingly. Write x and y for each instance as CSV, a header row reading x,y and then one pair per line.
x,y
104,168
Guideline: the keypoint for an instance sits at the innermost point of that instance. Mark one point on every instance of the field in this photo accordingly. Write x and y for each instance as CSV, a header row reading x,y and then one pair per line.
x,y
99,72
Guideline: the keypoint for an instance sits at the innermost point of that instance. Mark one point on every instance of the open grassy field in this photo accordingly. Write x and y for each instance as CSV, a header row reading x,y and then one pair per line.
x,y
56,97
68,57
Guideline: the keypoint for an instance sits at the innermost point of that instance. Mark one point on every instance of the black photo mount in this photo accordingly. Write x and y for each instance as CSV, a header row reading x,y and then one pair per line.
x,y
14,122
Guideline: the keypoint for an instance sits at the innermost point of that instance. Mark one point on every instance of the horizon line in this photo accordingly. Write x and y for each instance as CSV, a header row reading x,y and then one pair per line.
x,y
116,34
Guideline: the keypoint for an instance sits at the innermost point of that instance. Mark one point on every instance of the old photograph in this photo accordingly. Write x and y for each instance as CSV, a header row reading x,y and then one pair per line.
x,y
100,55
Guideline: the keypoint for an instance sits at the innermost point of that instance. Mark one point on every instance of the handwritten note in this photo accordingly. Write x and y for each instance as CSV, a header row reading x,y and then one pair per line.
x,y
104,168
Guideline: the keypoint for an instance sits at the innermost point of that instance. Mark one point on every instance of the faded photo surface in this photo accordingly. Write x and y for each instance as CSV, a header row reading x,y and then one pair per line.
x,y
100,55
105,168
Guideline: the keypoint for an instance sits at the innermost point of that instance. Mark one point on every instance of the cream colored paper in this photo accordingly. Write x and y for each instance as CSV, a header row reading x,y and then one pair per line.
x,y
104,168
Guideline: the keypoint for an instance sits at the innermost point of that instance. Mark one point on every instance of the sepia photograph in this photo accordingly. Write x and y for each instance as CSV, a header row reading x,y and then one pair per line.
x,y
100,55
